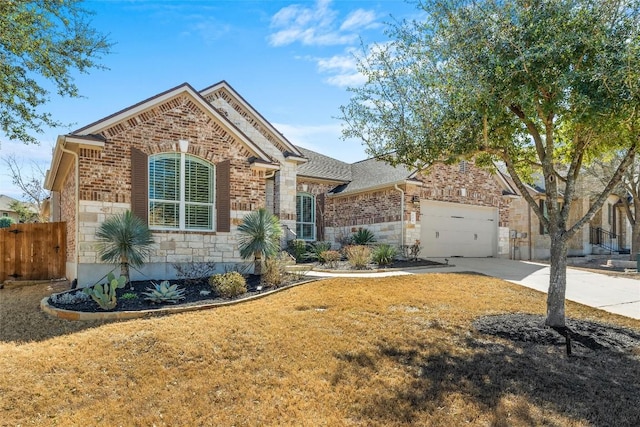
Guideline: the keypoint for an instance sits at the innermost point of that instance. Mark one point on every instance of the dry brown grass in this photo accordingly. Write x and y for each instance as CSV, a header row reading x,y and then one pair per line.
x,y
392,351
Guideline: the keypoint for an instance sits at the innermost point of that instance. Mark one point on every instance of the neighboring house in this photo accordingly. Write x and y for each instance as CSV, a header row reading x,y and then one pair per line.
x,y
453,210
193,164
7,211
5,207
608,232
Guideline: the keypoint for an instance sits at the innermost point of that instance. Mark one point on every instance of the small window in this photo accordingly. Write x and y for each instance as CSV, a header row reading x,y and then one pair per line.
x,y
545,213
464,166
306,216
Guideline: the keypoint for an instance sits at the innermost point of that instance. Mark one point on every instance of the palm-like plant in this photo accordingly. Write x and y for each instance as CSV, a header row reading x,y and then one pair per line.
x,y
260,234
124,239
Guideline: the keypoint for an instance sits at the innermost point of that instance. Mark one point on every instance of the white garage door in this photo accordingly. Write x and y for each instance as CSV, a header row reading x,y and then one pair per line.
x,y
454,229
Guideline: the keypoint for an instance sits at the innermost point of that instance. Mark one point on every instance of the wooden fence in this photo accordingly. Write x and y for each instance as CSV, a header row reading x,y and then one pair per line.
x,y
33,251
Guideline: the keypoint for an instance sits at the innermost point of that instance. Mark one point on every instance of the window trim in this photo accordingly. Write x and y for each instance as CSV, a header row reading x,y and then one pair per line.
x,y
299,195
181,202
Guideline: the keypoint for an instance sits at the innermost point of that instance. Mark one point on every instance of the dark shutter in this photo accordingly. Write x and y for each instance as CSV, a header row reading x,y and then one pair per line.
x,y
139,185
223,196
320,217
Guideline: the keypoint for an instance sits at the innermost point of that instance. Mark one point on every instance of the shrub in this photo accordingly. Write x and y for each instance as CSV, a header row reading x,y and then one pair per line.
x,y
411,252
164,292
70,298
192,272
331,258
384,254
105,295
274,270
317,249
228,285
6,221
358,256
297,248
363,236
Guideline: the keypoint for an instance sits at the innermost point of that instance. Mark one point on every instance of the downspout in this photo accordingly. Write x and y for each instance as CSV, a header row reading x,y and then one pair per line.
x,y
77,219
401,215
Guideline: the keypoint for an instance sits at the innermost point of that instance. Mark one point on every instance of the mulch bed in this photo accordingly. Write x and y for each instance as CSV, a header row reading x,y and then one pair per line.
x,y
585,335
193,295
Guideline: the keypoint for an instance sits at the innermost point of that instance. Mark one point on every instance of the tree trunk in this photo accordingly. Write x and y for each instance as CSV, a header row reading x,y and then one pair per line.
x,y
124,271
257,264
635,240
557,282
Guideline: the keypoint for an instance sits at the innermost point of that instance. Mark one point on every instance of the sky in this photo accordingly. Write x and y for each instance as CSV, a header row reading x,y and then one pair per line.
x,y
291,60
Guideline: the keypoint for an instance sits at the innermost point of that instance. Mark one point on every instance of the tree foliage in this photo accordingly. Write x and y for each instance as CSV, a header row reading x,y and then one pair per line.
x,y
42,42
542,86
24,211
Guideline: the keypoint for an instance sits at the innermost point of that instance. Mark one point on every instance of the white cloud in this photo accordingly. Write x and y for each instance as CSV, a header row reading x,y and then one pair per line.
x,y
340,63
346,80
317,25
359,19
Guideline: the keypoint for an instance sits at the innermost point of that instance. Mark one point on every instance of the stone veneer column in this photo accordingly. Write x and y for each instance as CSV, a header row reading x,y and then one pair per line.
x,y
286,194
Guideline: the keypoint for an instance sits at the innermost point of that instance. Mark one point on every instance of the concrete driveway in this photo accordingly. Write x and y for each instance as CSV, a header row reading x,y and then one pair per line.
x,y
618,295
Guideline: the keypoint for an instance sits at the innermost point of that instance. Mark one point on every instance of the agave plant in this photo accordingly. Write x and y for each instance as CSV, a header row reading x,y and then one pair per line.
x,y
124,239
164,292
260,234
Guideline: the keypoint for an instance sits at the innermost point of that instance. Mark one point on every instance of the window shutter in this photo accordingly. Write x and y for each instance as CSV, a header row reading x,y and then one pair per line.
x,y
223,196
139,185
320,216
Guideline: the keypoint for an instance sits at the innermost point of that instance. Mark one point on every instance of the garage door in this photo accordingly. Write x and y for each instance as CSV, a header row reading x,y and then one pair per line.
x,y
454,229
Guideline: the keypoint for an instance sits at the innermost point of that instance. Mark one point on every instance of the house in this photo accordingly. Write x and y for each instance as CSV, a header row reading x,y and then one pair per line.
x,y
193,163
608,232
5,207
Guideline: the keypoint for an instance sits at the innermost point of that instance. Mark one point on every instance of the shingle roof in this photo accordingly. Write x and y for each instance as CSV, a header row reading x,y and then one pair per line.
x,y
324,167
373,173
5,201
357,176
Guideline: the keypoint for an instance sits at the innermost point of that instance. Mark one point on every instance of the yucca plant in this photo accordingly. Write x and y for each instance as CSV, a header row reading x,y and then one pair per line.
x,y
363,237
259,238
124,239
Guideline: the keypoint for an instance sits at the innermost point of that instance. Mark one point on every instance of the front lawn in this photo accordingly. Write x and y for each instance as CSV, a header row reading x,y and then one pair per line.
x,y
402,350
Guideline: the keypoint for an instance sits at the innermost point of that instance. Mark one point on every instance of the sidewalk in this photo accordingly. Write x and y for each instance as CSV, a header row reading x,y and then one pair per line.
x,y
617,295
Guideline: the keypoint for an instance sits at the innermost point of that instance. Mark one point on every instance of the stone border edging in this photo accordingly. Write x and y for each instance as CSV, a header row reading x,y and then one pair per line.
x,y
137,314
380,270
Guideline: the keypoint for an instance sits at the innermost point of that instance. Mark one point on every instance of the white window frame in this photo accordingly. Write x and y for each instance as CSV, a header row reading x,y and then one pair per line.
x,y
313,217
182,202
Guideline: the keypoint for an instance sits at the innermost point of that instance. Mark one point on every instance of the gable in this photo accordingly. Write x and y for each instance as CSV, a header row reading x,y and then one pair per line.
x,y
182,97
222,92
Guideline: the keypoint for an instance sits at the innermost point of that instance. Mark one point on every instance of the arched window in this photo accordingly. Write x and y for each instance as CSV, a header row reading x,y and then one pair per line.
x,y
181,192
306,216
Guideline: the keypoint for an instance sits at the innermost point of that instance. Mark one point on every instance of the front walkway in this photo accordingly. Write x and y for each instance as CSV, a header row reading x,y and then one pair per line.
x,y
617,295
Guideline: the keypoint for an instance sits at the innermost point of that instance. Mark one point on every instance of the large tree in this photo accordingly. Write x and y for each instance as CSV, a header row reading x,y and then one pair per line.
x,y
42,42
540,86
